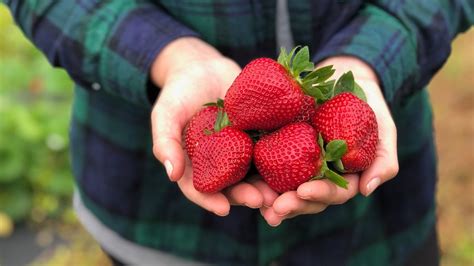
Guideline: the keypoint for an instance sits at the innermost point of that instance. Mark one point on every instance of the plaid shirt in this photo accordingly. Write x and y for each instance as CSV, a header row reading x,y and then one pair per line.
x,y
107,47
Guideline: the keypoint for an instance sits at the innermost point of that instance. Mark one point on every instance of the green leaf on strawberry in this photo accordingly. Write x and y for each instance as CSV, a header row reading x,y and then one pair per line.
x,y
320,74
359,92
222,119
218,103
323,91
298,63
332,153
346,83
321,145
336,178
335,150
285,59
301,62
339,166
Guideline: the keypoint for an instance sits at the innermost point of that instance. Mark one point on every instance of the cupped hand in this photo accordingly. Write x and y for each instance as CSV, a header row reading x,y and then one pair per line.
x,y
192,73
315,196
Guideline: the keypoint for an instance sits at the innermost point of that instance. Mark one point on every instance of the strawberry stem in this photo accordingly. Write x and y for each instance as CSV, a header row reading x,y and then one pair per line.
x,y
336,178
333,152
222,119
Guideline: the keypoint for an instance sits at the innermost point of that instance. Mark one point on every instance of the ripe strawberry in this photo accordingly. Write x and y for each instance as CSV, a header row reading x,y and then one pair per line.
x,y
288,157
291,156
307,112
268,94
346,117
195,130
222,159
264,96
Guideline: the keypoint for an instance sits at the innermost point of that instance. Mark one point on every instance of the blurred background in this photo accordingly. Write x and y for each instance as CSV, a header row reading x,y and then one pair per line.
x,y
37,224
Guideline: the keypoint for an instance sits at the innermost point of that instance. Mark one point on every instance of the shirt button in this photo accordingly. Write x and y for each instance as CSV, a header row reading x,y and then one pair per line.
x,y
96,86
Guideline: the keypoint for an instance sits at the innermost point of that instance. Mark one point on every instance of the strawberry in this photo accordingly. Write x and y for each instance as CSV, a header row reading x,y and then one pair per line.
x,y
307,112
222,159
201,122
291,156
348,118
220,153
268,94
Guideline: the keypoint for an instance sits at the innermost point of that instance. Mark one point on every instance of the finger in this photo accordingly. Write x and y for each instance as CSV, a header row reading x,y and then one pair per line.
x,y
384,168
385,165
269,195
216,203
270,216
167,125
274,219
290,204
244,194
324,191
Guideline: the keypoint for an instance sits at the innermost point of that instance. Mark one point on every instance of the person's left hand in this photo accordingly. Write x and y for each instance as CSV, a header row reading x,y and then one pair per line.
x,y
315,196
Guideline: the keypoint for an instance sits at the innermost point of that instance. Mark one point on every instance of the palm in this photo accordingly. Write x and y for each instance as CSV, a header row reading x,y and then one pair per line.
x,y
183,95
315,196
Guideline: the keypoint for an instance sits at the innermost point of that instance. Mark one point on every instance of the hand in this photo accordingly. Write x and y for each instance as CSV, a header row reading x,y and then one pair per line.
x,y
192,73
314,196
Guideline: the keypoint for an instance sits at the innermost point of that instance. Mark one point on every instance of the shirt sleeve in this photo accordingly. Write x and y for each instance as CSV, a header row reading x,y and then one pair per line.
x,y
405,42
107,45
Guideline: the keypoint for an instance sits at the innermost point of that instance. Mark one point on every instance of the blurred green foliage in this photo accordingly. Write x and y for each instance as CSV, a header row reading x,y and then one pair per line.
x,y
35,100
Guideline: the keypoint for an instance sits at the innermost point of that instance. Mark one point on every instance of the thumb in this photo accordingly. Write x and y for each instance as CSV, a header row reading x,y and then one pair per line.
x,y
167,123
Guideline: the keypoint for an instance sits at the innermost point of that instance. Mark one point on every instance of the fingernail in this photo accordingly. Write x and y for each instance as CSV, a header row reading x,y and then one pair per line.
x,y
372,185
169,168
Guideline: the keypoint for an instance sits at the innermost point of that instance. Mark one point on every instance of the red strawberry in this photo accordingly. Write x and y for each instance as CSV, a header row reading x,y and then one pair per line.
x,y
288,157
195,130
291,156
264,96
222,159
346,117
268,94
307,112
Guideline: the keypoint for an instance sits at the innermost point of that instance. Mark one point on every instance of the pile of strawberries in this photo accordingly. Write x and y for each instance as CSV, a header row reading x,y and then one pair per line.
x,y
287,118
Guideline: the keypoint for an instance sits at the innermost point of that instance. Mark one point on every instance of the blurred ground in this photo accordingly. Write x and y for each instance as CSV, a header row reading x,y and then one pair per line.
x,y
452,93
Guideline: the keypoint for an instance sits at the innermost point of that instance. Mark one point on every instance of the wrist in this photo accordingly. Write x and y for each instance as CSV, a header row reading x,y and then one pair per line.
x,y
177,54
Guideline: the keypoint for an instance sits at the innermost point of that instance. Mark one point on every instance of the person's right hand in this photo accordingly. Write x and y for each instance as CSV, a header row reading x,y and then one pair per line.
x,y
192,73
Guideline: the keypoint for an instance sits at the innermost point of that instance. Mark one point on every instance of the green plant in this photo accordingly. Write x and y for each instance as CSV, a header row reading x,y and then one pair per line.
x,y
35,177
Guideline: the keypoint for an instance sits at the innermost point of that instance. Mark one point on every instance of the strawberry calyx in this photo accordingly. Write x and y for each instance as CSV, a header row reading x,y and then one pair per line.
x,y
345,83
333,153
298,64
222,119
316,82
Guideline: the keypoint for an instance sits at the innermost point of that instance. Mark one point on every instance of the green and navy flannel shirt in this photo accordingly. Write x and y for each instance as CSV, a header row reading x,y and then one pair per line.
x,y
107,48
